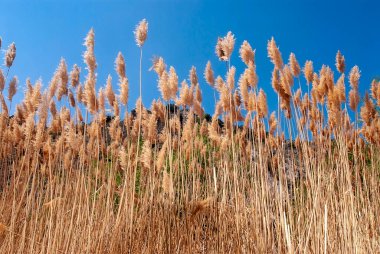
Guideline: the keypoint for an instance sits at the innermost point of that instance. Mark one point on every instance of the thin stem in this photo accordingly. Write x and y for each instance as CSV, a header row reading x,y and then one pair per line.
x,y
137,152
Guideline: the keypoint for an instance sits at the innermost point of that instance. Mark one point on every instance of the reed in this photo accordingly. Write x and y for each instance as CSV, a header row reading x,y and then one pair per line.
x,y
170,178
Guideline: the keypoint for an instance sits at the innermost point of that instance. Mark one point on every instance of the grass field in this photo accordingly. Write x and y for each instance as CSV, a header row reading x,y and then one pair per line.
x,y
85,178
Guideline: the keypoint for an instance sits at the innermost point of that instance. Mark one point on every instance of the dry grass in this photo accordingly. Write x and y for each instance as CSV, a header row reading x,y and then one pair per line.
x,y
166,180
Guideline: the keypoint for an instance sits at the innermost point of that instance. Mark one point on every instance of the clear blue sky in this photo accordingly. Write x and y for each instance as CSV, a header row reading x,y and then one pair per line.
x,y
184,33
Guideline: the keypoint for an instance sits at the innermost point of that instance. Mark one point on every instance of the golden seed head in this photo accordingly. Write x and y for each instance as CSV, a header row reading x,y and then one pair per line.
x,y
120,65
158,65
340,62
141,32
75,76
124,91
246,53
193,76
12,89
10,55
173,82
354,77
308,71
294,66
2,81
225,46
209,74
274,54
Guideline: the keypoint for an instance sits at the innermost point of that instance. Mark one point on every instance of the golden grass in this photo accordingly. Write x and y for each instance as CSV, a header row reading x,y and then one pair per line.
x,y
171,180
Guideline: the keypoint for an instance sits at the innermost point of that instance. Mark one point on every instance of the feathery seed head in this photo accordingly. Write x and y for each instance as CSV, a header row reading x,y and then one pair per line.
x,y
276,84
63,79
124,90
354,99
2,81
185,95
308,71
251,75
75,76
89,56
12,88
368,110
297,98
209,74
231,78
274,54
193,76
4,107
173,82
101,99
80,94
246,53
262,104
146,155
375,91
71,99
243,87
141,32
294,66
237,98
109,92
163,86
158,65
10,55
272,123
89,41
225,46
120,65
354,77
198,94
340,62
341,89
286,80
53,108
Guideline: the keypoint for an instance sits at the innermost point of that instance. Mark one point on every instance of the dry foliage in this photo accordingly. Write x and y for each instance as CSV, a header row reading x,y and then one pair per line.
x,y
172,180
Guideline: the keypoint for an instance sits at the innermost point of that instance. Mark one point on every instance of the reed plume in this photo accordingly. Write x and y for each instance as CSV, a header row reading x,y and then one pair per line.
x,y
246,53
75,76
274,54
173,82
89,55
12,88
354,77
63,79
340,62
163,86
262,104
109,92
308,71
2,81
368,110
251,75
225,46
141,32
10,55
120,65
209,74
90,60
294,65
158,65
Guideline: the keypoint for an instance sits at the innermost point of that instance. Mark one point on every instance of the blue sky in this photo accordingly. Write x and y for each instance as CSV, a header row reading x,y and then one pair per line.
x,y
184,33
